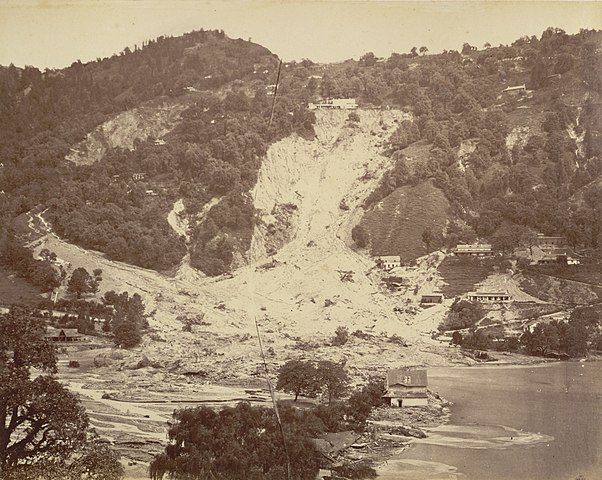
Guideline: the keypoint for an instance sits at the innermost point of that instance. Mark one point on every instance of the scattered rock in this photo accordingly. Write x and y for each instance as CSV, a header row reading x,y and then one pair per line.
x,y
407,431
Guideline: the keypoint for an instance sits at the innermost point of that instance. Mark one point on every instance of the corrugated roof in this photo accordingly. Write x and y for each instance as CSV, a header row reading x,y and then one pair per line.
x,y
407,377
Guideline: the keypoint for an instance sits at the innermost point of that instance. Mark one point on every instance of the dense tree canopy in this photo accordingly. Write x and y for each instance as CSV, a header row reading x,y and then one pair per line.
x,y
217,146
43,426
241,442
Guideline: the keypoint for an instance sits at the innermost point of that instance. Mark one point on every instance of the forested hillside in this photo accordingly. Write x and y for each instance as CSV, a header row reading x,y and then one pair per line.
x,y
215,150
510,160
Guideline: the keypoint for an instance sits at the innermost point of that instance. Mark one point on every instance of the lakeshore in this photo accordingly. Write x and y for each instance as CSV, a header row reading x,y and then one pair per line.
x,y
517,422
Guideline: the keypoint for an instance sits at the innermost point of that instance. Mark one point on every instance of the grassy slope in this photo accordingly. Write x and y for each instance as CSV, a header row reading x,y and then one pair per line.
x,y
396,223
16,290
461,275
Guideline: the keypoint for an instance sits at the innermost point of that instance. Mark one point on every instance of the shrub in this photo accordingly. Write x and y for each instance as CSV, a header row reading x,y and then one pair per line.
x,y
353,117
360,236
341,336
73,364
398,340
462,314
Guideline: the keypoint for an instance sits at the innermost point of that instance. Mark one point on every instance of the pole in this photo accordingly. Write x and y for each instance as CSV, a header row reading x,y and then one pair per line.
x,y
273,396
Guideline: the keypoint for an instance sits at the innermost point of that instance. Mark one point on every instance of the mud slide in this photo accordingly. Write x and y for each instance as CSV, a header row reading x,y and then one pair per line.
x,y
314,282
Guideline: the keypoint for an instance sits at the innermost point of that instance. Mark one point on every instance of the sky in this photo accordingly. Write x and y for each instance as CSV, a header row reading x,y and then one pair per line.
x,y
55,33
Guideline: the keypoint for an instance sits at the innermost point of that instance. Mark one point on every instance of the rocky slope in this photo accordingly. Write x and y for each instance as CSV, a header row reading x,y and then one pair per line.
x,y
125,129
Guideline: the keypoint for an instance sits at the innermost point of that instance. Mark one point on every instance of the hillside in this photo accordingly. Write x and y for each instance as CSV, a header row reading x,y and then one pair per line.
x,y
297,294
397,222
174,173
190,114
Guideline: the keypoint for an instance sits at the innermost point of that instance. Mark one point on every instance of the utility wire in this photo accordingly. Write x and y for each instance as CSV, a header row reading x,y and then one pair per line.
x,y
273,396
265,365
275,93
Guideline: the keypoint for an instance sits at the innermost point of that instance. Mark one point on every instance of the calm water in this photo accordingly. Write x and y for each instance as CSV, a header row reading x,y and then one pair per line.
x,y
511,423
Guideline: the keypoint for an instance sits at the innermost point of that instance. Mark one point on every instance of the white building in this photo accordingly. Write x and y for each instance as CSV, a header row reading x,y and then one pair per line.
x,y
475,249
489,297
406,387
387,262
335,103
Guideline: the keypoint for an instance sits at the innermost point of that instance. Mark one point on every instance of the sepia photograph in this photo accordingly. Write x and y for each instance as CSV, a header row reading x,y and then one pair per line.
x,y
300,240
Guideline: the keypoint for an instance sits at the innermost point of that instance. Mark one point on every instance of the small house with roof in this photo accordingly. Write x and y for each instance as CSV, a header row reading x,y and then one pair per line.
x,y
387,262
475,249
62,334
406,387
335,103
549,241
489,297
431,298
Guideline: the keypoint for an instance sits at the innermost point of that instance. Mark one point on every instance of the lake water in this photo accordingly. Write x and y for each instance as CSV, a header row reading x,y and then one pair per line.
x,y
511,423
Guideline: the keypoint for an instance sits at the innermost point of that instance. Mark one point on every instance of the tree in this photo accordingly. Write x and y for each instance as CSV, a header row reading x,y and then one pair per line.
x,y
574,342
423,50
81,282
539,74
353,117
341,336
507,237
298,377
467,48
462,314
43,426
360,236
476,339
368,59
126,334
334,379
129,319
238,443
431,239
543,338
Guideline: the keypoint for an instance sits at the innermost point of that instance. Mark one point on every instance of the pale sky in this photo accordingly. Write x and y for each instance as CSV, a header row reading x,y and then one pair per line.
x,y
55,33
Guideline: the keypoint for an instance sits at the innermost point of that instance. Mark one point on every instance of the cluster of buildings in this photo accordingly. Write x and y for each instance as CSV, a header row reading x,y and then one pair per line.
x,y
555,252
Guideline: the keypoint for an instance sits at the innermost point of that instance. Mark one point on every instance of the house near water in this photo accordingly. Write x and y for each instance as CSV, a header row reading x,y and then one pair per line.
x,y
406,387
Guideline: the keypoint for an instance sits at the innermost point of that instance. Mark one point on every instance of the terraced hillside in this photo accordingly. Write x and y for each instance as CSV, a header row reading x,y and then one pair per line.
x,y
396,224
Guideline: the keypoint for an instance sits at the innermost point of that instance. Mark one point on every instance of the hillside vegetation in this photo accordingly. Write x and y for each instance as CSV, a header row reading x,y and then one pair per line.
x,y
499,158
397,223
